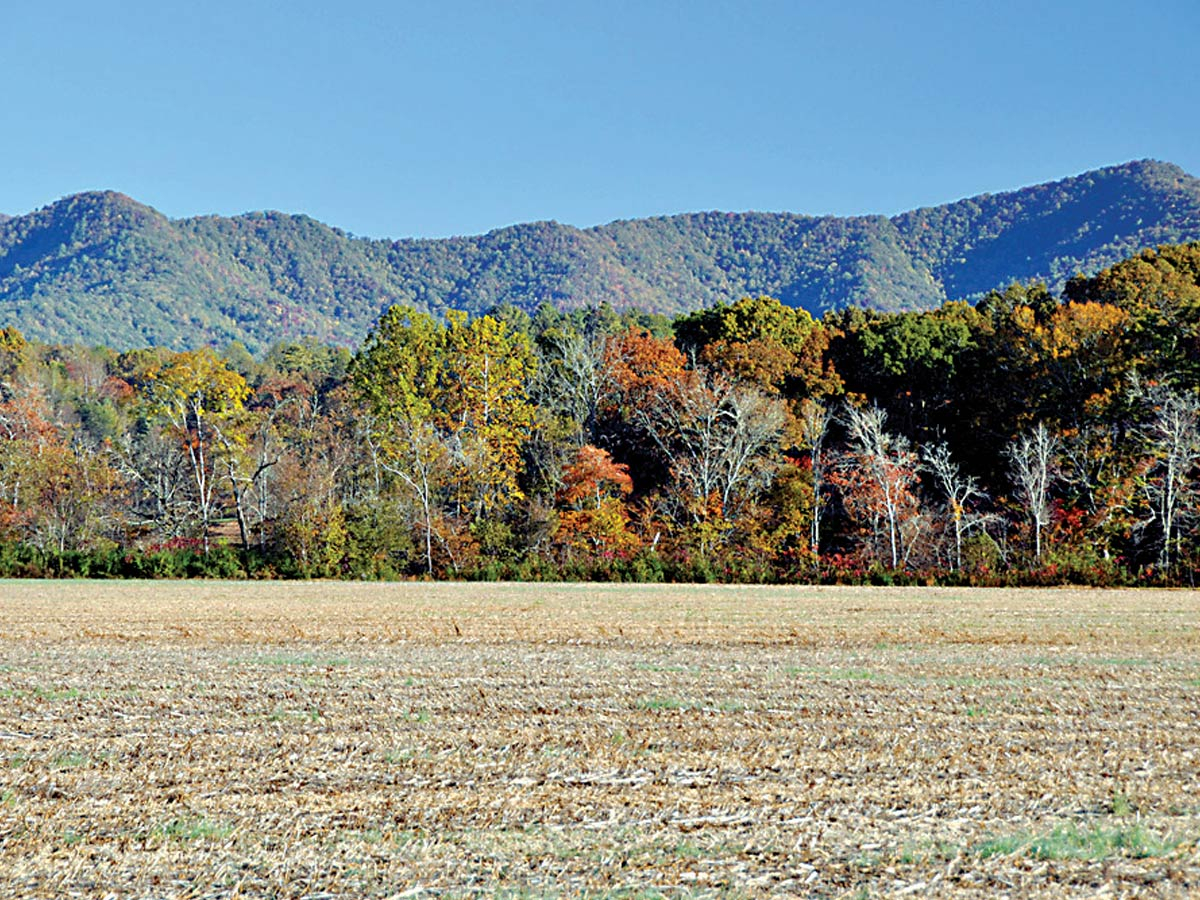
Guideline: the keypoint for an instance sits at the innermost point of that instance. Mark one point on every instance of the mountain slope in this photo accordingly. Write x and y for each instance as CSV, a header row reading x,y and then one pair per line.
x,y
102,268
1051,231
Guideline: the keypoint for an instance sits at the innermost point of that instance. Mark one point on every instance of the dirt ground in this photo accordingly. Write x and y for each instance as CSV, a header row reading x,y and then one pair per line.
x,y
201,739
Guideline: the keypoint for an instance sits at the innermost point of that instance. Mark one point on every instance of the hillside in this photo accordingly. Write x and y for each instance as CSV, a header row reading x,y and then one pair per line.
x,y
103,268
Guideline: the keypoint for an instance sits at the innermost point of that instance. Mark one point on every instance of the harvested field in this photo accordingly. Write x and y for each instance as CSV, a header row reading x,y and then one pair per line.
x,y
203,739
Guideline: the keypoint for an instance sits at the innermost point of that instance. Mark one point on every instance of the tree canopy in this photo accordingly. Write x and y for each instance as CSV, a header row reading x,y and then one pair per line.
x,y
1029,438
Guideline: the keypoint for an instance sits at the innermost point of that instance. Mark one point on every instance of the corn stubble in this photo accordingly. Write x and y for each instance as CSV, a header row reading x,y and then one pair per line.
x,y
322,740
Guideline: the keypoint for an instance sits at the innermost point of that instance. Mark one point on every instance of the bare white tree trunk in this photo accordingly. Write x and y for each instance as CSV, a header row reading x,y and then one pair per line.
x,y
573,378
718,436
814,427
958,489
1034,469
1173,434
418,458
889,464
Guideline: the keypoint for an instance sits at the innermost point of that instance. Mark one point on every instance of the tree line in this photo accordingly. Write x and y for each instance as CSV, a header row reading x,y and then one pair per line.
x,y
1028,438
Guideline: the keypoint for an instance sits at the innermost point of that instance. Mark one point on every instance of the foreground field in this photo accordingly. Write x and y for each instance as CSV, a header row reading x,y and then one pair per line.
x,y
326,740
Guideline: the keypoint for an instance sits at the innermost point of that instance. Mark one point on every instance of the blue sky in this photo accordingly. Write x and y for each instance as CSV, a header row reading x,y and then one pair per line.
x,y
393,119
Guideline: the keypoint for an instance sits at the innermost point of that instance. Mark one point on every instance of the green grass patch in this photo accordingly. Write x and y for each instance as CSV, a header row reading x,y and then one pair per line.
x,y
658,667
661,703
1122,805
1097,842
687,850
848,674
55,695
72,759
926,852
282,714
192,828
51,695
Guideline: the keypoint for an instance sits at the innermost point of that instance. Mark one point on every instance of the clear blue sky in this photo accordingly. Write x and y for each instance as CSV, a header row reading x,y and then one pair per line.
x,y
395,119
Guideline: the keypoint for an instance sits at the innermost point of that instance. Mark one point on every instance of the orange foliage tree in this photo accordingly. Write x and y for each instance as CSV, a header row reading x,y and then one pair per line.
x,y
594,521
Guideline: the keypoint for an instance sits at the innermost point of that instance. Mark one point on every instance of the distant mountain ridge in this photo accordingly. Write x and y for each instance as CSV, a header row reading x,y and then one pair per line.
x,y
101,268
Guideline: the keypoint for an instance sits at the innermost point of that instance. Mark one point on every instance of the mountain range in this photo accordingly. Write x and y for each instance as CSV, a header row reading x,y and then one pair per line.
x,y
101,268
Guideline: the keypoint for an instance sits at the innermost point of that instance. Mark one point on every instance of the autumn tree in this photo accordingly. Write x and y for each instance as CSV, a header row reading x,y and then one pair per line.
x,y
594,521
644,370
193,393
485,407
1160,291
311,525
15,354
450,413
778,348
52,496
310,464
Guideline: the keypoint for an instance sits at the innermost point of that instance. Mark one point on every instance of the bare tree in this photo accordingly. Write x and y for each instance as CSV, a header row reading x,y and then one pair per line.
x,y
959,490
1173,436
419,457
1034,468
573,379
156,469
717,433
246,456
814,428
571,383
883,467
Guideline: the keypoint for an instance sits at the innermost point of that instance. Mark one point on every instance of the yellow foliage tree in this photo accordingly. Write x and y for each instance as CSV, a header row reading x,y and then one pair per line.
x,y
193,393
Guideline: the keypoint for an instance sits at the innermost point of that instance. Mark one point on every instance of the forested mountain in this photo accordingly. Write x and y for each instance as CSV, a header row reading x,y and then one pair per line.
x,y
101,268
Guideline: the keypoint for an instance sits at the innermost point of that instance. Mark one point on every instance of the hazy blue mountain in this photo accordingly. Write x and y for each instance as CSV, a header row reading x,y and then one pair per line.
x,y
103,268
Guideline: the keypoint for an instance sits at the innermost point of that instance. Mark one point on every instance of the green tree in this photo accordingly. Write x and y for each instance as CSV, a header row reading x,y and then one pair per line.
x,y
760,340
450,413
397,375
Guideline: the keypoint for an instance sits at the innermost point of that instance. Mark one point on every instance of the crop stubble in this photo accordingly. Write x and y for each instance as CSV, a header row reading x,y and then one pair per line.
x,y
326,739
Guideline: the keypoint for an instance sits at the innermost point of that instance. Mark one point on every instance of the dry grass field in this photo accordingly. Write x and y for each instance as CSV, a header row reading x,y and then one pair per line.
x,y
326,740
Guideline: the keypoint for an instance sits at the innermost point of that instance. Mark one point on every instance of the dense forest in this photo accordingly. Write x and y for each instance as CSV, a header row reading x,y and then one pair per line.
x,y
100,268
1033,437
